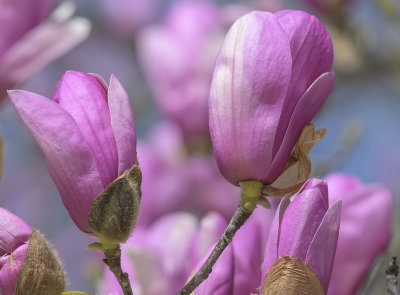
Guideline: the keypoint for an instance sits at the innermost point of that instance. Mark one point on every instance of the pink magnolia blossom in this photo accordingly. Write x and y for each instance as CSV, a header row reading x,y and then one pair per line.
x,y
87,134
14,237
271,77
178,58
305,227
30,38
365,229
161,257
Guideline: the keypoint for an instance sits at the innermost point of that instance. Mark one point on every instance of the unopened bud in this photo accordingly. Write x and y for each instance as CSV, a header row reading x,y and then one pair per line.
x,y
41,272
114,212
291,276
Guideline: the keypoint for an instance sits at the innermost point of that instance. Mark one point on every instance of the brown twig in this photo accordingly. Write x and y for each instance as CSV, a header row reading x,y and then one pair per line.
x,y
113,260
238,219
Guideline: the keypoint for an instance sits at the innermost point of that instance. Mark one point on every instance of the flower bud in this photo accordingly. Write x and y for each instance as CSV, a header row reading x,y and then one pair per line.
x,y
86,133
114,212
291,276
41,272
28,265
305,227
272,75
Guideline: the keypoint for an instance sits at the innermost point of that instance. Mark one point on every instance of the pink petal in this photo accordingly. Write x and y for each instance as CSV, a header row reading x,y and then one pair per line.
x,y
248,254
312,55
340,186
14,236
250,81
220,281
37,48
85,99
305,110
123,125
68,157
365,231
321,253
271,250
171,239
301,220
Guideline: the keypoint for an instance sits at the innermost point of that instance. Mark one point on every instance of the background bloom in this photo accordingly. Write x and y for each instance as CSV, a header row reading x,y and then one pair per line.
x,y
178,57
305,228
365,229
271,77
86,133
29,39
173,246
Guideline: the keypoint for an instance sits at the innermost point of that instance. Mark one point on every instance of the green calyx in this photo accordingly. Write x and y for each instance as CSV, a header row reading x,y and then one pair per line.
x,y
250,195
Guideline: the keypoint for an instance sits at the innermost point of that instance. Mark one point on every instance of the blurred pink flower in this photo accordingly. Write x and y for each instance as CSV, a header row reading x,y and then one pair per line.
x,y
365,229
14,237
178,58
126,17
175,181
86,133
162,257
29,40
271,77
305,227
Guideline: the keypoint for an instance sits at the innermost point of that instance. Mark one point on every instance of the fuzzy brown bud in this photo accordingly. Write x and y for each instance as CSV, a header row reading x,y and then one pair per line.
x,y
114,212
41,272
291,276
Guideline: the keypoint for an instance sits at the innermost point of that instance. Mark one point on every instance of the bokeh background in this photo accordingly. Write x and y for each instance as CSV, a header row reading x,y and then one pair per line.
x,y
362,115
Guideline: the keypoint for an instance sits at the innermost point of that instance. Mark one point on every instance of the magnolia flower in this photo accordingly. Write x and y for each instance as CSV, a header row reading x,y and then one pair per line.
x,y
271,77
303,236
178,58
366,209
27,264
87,134
163,256
29,39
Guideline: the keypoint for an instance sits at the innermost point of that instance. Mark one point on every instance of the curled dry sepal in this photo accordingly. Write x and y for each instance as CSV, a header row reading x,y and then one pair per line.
x,y
28,264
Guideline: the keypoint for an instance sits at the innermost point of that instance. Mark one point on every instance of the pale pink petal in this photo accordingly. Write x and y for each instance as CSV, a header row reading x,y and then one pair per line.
x,y
220,281
123,125
365,231
321,253
85,99
248,254
271,250
250,82
14,236
301,220
60,140
305,110
39,47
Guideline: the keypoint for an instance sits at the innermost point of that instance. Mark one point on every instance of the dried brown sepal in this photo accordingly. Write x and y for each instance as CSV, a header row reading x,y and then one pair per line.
x,y
41,272
298,168
291,276
114,212
2,143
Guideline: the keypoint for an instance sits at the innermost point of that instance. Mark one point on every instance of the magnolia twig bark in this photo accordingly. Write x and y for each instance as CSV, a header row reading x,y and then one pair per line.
x,y
238,219
113,260
392,277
